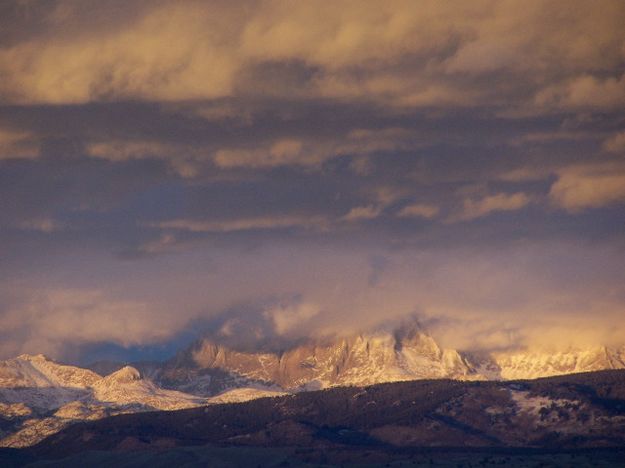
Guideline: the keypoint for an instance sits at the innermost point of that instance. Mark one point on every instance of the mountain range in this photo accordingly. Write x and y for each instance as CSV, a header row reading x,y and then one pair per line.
x,y
38,396
386,355
571,420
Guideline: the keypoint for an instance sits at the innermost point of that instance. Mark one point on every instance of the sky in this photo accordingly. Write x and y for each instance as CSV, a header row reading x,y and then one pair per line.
x,y
268,172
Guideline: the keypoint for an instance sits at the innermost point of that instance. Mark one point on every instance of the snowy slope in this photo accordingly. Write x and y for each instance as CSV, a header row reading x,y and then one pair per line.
x,y
39,397
28,371
41,384
534,364
126,387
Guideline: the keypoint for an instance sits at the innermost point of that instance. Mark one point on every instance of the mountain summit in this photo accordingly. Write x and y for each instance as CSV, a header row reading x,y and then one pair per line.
x,y
39,397
387,354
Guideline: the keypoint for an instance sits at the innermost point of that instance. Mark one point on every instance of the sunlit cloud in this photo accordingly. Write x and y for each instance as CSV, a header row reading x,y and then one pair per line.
x,y
283,152
174,51
286,317
585,92
124,150
52,319
418,210
245,224
289,151
362,212
184,160
477,208
615,143
265,174
589,186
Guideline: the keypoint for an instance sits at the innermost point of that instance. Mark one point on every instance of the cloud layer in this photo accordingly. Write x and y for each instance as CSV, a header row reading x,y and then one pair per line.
x,y
400,53
247,170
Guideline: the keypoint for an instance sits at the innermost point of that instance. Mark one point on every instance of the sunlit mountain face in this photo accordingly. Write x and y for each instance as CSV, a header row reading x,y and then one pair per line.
x,y
40,397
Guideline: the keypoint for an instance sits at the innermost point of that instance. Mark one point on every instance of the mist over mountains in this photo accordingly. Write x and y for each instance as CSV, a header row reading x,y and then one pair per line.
x,y
403,352
39,397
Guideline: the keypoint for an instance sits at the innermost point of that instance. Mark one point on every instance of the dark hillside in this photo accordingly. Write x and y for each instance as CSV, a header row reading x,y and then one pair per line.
x,y
560,413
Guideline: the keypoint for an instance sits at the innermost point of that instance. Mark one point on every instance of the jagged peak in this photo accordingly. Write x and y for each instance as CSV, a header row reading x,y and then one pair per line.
x,y
206,351
407,330
402,330
125,374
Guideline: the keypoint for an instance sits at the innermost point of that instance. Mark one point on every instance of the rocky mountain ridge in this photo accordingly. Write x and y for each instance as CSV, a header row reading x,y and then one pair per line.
x,y
390,355
39,396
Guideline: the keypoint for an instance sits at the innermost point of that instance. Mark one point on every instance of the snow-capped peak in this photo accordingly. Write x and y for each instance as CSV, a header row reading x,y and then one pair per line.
x,y
41,396
124,375
32,386
36,371
388,353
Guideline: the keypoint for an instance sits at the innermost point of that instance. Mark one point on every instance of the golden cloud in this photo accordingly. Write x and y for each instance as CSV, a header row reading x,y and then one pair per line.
x,y
586,91
245,224
290,151
280,153
589,186
397,52
615,143
418,210
287,317
360,213
477,208
52,317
